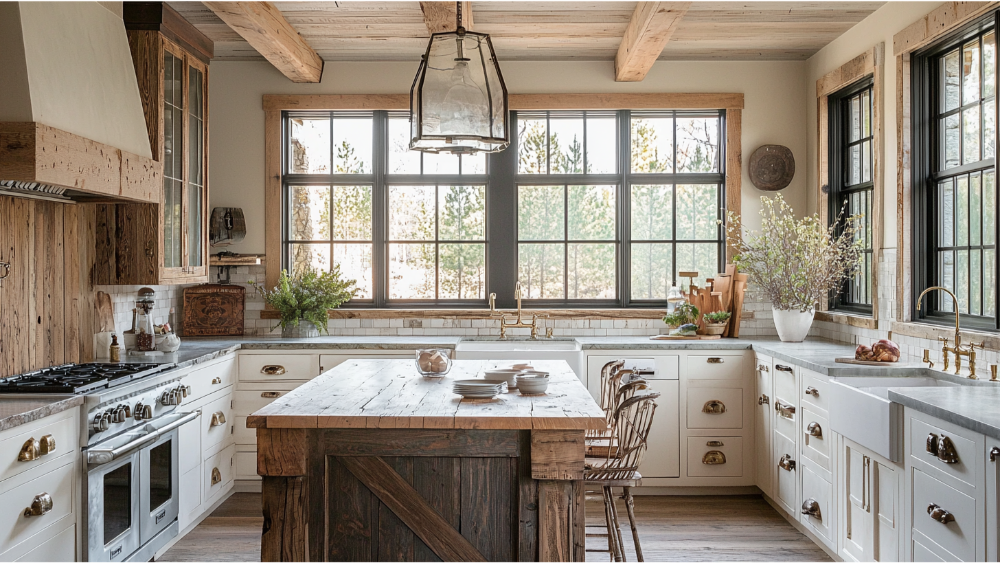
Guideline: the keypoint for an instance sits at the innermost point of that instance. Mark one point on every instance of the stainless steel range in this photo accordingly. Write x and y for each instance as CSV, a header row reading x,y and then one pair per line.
x,y
130,449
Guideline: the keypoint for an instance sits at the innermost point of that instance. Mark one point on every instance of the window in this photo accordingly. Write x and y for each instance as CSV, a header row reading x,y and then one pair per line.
x,y
852,185
595,208
955,164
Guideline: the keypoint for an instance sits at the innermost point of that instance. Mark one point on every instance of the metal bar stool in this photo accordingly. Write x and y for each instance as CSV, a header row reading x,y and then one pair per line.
x,y
619,468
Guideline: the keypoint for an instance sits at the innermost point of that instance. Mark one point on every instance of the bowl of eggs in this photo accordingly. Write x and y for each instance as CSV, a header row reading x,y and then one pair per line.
x,y
433,363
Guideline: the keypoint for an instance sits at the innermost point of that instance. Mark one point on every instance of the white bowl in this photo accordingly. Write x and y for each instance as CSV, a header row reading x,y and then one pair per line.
x,y
522,367
533,373
532,385
508,375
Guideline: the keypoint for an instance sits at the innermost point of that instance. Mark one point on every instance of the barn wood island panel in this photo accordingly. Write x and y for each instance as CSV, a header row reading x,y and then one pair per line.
x,y
370,461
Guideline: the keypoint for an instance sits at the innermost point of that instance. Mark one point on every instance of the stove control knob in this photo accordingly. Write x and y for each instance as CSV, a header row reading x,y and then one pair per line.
x,y
143,412
102,422
118,415
186,390
127,410
166,398
178,395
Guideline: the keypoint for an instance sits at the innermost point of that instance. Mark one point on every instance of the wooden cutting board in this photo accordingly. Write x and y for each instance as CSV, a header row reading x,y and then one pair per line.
x,y
214,310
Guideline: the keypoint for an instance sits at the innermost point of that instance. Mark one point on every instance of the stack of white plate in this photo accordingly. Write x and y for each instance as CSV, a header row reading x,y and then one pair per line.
x,y
479,389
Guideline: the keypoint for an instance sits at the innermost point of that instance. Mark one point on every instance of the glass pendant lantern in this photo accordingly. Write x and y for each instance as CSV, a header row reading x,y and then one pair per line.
x,y
458,101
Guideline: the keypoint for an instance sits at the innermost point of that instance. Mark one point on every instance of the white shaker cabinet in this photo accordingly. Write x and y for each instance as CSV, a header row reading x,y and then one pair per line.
x,y
992,499
870,505
762,425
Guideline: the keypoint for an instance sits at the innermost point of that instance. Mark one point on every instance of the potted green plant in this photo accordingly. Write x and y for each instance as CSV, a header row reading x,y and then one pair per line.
x,y
715,323
684,313
304,299
796,263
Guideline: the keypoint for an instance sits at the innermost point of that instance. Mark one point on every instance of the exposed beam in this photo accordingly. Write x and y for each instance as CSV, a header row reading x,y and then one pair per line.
x,y
648,31
440,17
267,31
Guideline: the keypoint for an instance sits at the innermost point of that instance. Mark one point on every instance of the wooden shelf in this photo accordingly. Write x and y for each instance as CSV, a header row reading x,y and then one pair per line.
x,y
239,260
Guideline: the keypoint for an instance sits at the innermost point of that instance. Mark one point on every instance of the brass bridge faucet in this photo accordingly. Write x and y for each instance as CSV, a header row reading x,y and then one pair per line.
x,y
518,323
958,349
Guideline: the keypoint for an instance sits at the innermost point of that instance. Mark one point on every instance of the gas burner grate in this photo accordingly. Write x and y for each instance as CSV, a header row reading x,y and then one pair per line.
x,y
77,378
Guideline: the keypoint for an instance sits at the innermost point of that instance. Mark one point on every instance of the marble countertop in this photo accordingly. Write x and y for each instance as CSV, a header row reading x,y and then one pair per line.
x,y
15,412
970,407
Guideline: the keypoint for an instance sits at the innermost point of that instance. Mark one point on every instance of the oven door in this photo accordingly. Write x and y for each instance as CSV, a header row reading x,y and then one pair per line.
x,y
158,481
113,521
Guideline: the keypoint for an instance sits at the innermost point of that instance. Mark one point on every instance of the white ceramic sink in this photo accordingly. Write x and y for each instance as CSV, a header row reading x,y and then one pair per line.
x,y
516,345
523,351
860,409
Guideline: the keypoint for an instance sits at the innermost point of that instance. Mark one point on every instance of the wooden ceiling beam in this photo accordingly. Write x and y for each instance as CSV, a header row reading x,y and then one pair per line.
x,y
440,17
647,33
266,30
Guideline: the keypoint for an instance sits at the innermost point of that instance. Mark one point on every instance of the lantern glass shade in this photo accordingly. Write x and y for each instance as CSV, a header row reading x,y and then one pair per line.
x,y
458,102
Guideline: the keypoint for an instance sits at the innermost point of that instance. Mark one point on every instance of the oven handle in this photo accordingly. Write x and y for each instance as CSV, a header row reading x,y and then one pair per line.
x,y
101,456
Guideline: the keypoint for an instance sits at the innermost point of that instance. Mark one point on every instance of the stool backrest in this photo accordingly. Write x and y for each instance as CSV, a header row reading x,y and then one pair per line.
x,y
632,424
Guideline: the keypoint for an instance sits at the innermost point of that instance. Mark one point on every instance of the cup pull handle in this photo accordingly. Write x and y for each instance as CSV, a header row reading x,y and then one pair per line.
x,y
273,370
40,506
270,395
812,391
939,514
218,419
216,476
30,451
786,462
216,380
716,360
714,457
814,430
714,406
48,444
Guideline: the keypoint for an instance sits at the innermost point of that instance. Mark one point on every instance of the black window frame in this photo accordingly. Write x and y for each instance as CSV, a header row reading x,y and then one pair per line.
x,y
838,145
925,170
501,181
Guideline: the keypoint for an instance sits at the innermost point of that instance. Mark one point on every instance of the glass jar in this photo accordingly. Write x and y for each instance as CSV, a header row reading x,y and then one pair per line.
x,y
145,339
433,362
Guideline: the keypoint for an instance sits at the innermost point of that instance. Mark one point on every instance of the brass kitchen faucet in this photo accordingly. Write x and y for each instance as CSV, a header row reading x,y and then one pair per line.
x,y
518,323
958,349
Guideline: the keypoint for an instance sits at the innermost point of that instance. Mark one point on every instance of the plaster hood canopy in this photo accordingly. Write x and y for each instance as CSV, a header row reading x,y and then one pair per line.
x,y
71,119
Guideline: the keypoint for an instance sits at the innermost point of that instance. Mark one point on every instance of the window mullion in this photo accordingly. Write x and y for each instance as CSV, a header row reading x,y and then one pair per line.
x,y
380,211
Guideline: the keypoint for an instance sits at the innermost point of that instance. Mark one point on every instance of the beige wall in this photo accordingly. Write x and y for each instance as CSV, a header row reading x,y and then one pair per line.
x,y
880,26
774,114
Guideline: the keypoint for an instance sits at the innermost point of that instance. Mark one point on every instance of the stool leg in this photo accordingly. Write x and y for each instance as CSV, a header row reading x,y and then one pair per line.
x,y
630,508
609,520
618,529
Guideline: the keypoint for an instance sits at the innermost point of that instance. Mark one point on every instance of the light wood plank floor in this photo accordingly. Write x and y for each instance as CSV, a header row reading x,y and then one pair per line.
x,y
675,528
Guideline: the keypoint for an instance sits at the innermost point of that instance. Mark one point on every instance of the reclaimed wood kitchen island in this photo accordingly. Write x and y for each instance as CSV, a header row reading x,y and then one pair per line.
x,y
372,462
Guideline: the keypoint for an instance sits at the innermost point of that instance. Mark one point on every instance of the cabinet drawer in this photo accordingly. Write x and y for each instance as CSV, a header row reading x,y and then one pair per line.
x,y
784,382
704,459
207,380
957,536
58,484
814,390
715,366
276,367
215,430
56,543
247,401
816,447
246,465
815,488
63,428
330,361
923,553
217,475
714,407
964,469
785,480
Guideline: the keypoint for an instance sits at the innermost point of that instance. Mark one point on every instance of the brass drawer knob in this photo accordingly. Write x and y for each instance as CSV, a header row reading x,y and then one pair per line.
x,y
939,514
40,506
714,406
48,444
811,508
216,476
270,395
814,430
714,457
273,370
786,462
812,391
716,360
216,380
30,451
218,419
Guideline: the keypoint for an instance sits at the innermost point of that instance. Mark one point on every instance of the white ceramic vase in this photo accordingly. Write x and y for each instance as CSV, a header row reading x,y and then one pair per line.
x,y
793,325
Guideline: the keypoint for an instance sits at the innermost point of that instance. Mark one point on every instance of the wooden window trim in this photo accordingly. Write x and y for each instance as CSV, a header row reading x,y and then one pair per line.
x,y
870,64
273,105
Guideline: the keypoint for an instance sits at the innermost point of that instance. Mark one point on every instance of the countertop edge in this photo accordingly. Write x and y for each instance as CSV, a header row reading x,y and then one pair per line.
x,y
943,413
31,415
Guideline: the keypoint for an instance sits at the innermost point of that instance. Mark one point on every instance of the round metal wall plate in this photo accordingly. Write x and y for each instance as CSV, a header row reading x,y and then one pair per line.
x,y
772,167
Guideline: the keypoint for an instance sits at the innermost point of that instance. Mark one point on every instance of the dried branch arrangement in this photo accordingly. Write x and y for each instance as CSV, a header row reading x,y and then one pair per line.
x,y
796,263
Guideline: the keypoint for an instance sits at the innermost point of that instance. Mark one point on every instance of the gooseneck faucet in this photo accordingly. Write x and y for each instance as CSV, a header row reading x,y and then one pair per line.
x,y
518,322
958,349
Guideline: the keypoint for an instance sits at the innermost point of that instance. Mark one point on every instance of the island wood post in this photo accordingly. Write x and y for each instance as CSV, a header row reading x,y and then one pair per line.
x,y
281,462
557,460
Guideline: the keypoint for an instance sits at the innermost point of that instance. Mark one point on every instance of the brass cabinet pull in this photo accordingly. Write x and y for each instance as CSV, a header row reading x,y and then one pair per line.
x,y
216,476
784,409
714,457
763,400
932,444
812,391
943,448
811,508
780,367
273,370
218,418
40,506
994,453
814,429
714,444
786,462
270,395
939,514
716,360
216,380
30,451
48,444
714,406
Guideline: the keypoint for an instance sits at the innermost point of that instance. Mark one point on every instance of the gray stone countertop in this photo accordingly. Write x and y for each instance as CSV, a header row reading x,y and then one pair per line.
x,y
970,407
15,412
